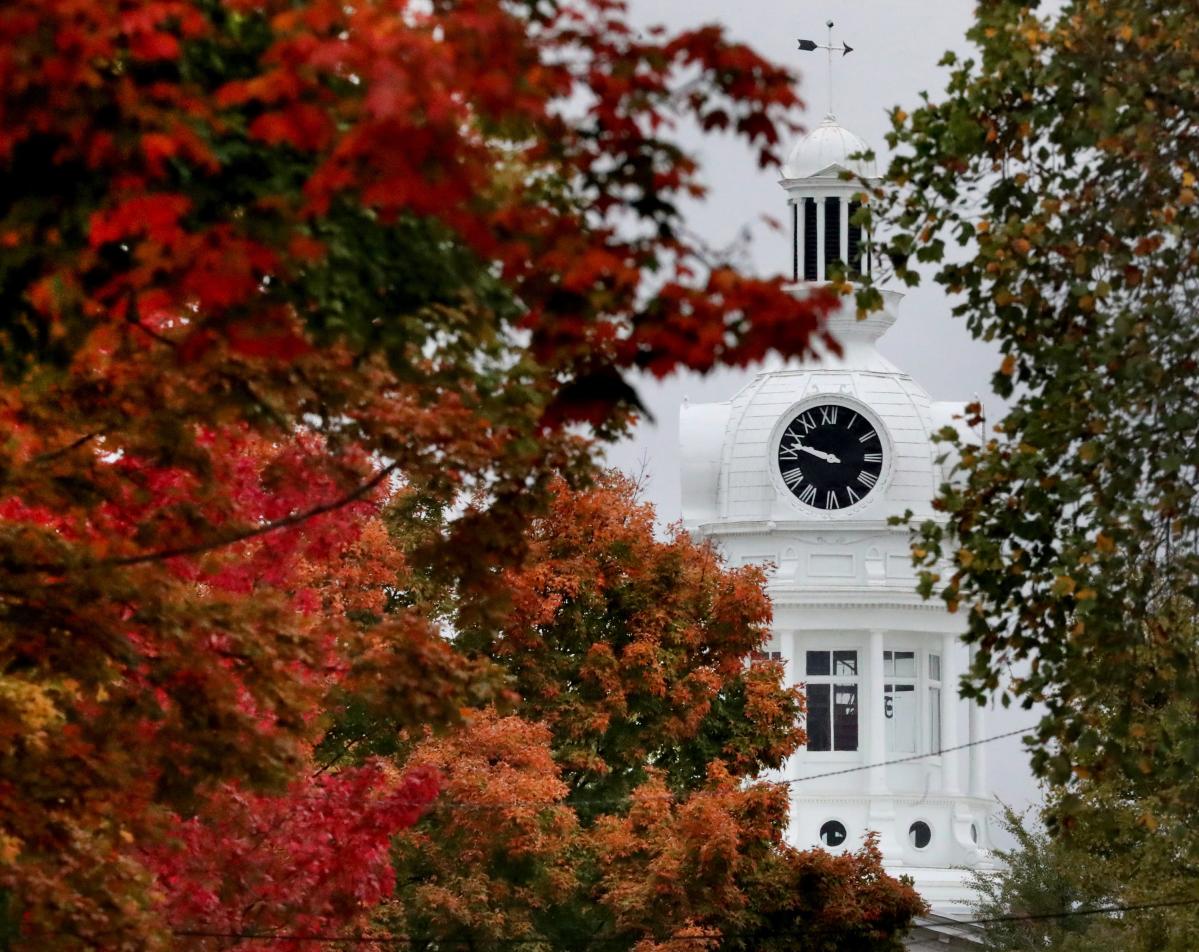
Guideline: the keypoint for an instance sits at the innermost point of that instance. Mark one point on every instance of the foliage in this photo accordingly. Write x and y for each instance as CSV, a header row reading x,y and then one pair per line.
x,y
1108,843
262,262
1060,161
615,807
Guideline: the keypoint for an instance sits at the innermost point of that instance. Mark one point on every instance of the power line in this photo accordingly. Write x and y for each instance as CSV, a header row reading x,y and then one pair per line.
x,y
610,801
905,760
392,939
1092,911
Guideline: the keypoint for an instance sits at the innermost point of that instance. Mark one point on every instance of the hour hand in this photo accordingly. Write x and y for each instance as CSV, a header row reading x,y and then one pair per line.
x,y
819,454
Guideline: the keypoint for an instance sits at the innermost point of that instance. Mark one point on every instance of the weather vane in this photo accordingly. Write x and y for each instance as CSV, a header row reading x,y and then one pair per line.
x,y
809,45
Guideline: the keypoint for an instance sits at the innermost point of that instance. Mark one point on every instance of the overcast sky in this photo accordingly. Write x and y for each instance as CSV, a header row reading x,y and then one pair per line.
x,y
897,44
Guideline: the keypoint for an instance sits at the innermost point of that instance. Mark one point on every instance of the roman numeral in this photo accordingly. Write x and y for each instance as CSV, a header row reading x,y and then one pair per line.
x,y
808,495
793,477
828,414
830,500
853,497
806,422
873,457
853,419
869,435
867,479
788,452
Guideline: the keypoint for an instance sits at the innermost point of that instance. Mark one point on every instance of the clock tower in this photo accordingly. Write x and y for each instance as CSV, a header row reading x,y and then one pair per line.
x,y
803,469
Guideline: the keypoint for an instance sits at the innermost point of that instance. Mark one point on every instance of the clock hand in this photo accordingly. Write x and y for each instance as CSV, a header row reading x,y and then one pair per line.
x,y
819,454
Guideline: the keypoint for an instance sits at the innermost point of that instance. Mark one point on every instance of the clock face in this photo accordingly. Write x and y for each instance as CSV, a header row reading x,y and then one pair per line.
x,y
830,457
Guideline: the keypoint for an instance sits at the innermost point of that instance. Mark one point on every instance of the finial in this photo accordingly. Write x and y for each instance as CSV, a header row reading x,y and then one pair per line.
x,y
809,45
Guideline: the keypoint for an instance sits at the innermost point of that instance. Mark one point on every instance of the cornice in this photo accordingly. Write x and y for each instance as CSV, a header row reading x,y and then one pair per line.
x,y
797,526
899,800
855,599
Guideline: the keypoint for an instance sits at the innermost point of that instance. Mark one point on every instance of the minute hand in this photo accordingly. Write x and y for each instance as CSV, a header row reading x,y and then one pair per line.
x,y
819,454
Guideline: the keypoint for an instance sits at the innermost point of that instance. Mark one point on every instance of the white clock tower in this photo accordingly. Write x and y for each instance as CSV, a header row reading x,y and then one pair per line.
x,y
802,469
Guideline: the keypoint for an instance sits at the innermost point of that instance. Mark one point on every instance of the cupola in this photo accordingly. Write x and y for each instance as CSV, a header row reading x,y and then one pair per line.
x,y
822,177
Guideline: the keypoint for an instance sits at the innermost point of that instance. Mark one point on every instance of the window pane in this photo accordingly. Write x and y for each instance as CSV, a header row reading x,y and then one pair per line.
x,y
818,662
889,663
905,664
819,728
934,719
899,709
845,663
934,667
845,717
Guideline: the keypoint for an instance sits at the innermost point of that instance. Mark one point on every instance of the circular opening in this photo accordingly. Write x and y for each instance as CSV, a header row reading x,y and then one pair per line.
x,y
920,834
973,832
833,833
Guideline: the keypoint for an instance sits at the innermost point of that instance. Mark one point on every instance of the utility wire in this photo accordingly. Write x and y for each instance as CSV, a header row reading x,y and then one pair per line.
x,y
390,939
905,760
611,801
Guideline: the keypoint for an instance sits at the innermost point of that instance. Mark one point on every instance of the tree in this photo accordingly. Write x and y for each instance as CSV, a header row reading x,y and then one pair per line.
x,y
1060,161
1111,838
378,243
616,806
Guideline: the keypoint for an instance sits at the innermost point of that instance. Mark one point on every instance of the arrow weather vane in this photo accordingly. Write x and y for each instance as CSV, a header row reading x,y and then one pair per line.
x,y
809,45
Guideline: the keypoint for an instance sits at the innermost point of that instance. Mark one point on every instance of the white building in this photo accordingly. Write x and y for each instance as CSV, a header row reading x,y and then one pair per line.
x,y
802,469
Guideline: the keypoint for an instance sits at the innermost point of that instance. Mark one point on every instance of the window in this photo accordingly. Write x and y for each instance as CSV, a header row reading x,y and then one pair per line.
x,y
920,834
899,700
934,703
832,681
832,232
810,247
833,833
855,242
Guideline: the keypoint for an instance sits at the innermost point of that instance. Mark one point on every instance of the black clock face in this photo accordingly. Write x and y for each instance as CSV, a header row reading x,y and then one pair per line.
x,y
830,457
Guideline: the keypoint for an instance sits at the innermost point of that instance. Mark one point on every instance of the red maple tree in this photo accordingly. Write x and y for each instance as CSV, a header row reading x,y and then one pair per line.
x,y
260,261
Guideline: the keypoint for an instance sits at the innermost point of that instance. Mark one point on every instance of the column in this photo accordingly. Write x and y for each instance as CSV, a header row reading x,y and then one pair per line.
x,y
820,276
791,676
949,714
872,707
978,762
843,206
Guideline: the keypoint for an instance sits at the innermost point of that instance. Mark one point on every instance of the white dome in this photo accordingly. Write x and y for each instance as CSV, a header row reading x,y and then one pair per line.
x,y
829,144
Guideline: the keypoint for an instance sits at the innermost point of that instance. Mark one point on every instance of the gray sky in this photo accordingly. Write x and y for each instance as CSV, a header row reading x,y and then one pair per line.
x,y
897,44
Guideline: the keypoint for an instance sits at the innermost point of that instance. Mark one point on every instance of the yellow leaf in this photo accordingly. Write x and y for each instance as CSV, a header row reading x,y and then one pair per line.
x,y
1105,543
1063,585
1008,367
1186,197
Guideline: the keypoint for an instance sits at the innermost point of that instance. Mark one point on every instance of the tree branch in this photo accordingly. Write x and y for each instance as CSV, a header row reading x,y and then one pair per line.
x,y
198,548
